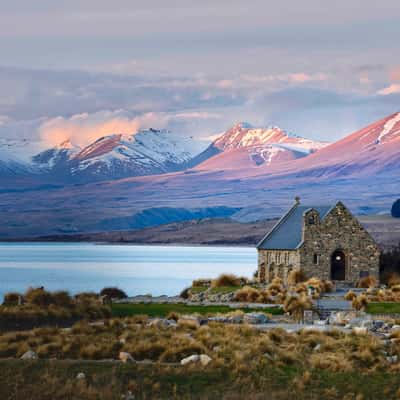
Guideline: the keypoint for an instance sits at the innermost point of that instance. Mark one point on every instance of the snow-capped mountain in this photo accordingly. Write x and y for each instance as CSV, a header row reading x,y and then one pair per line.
x,y
372,150
146,152
244,146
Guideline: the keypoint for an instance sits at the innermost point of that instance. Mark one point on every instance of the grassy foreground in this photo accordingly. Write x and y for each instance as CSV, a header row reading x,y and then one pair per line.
x,y
47,380
383,308
162,310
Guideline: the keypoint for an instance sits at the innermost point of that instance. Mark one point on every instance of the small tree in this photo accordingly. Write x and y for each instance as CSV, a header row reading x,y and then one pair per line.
x,y
396,209
113,293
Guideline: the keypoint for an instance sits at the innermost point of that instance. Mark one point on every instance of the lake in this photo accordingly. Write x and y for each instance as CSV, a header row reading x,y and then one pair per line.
x,y
78,267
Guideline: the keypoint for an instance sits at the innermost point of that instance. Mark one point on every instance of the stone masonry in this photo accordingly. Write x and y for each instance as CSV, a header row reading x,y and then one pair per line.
x,y
334,247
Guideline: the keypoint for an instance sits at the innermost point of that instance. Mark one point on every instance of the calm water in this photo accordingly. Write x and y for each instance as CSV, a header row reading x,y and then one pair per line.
x,y
135,269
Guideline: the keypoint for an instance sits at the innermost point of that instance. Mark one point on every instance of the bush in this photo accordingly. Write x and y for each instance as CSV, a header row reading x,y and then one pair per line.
x,y
396,209
295,277
11,299
350,296
185,293
113,293
226,280
366,282
38,297
247,294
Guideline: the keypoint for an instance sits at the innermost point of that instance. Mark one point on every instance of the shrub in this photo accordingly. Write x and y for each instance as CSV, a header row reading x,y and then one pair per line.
x,y
185,293
367,282
396,209
226,280
113,293
350,295
295,306
38,297
295,277
360,302
201,283
62,299
247,294
11,299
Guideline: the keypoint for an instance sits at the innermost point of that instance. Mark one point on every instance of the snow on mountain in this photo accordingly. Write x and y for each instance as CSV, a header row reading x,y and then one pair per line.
x,y
245,146
372,150
147,152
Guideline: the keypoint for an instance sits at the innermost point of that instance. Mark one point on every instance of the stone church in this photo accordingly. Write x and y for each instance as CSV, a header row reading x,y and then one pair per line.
x,y
327,242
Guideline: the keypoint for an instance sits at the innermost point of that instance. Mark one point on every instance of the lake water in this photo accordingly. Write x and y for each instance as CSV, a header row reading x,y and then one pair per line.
x,y
135,269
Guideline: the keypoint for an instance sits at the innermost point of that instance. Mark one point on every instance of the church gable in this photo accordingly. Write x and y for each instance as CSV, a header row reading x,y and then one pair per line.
x,y
324,241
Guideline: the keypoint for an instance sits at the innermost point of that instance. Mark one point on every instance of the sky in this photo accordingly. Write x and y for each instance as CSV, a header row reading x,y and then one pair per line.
x,y
82,69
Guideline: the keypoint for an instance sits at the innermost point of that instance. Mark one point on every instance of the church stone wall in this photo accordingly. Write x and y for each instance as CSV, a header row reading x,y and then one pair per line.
x,y
339,230
277,263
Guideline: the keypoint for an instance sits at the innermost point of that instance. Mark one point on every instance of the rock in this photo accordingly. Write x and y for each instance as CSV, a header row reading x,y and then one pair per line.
x,y
321,322
392,359
269,357
205,359
128,396
191,359
80,376
378,324
360,330
162,323
222,320
255,318
395,327
317,347
29,355
125,357
237,319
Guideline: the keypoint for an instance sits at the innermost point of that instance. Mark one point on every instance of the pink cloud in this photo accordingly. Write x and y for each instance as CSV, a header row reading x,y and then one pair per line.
x,y
83,129
393,88
394,74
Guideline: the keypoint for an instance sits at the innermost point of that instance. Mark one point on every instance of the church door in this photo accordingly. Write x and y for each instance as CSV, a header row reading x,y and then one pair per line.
x,y
338,266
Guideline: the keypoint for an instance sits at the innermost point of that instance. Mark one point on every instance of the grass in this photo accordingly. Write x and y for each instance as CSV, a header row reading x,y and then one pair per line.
x,y
345,366
162,310
56,380
383,308
224,289
198,289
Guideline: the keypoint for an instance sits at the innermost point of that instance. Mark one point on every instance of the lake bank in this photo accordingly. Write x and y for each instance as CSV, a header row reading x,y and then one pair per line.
x,y
78,267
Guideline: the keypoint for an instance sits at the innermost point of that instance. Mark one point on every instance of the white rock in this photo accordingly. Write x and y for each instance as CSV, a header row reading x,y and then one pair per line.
x,y
360,330
317,347
80,376
205,359
125,357
29,355
191,359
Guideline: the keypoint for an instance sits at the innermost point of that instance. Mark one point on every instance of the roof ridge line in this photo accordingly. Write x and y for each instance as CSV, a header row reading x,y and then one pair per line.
x,y
281,220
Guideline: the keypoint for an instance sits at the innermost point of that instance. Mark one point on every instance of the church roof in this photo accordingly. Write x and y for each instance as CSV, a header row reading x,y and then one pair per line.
x,y
287,233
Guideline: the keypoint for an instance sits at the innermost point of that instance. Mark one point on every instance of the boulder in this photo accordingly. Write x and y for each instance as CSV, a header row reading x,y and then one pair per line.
x,y
80,376
392,359
29,355
255,318
205,359
162,323
125,357
191,359
360,330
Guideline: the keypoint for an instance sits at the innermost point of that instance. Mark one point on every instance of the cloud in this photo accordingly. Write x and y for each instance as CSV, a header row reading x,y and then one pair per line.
x,y
297,77
83,129
394,74
391,89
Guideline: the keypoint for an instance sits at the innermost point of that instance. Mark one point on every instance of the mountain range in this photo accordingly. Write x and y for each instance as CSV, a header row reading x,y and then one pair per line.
x,y
128,181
